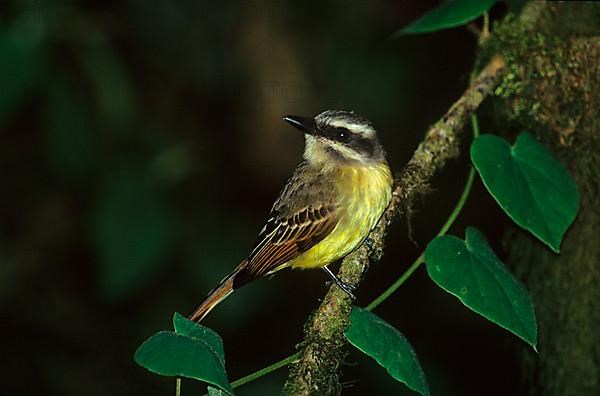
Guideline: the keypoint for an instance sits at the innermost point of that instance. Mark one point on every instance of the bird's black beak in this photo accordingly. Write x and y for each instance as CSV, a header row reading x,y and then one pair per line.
x,y
305,124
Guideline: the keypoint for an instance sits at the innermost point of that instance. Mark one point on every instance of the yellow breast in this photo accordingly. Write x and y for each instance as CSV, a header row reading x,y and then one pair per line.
x,y
365,192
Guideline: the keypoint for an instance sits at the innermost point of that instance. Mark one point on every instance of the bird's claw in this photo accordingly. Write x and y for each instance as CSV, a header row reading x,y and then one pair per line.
x,y
370,242
346,287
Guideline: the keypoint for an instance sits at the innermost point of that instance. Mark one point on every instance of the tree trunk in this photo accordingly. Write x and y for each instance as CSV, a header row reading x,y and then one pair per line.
x,y
552,89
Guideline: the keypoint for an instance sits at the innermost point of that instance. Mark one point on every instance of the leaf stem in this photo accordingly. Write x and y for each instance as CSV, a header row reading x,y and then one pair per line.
x,y
265,371
383,296
475,126
485,31
178,386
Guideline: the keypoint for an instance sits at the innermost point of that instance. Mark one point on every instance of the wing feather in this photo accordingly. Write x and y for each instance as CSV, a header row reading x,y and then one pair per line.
x,y
286,238
306,211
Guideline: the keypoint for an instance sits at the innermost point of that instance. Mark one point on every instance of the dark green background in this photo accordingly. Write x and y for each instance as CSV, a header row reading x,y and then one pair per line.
x,y
141,147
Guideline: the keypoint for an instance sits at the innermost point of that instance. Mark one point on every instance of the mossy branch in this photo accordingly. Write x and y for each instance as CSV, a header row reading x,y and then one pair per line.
x,y
322,352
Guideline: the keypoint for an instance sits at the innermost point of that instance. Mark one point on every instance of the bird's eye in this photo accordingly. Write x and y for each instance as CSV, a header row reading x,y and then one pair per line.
x,y
342,134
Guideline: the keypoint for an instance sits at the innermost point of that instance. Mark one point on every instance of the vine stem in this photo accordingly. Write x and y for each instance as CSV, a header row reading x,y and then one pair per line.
x,y
265,371
403,278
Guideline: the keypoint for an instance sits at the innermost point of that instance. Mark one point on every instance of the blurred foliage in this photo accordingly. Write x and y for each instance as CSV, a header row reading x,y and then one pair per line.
x,y
133,228
142,146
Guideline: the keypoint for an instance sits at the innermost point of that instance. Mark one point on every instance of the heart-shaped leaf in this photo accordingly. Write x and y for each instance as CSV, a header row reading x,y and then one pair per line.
x,y
449,14
529,183
381,341
189,328
175,355
471,271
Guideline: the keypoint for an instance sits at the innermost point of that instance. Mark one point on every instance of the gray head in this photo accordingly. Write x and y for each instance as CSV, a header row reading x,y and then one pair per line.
x,y
339,135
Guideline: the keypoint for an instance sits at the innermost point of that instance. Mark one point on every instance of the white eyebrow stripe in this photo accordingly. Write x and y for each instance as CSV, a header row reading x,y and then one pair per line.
x,y
362,129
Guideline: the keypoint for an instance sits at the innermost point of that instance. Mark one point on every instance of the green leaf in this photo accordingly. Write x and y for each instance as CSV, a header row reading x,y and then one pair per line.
x,y
471,271
175,355
203,360
215,392
449,14
529,183
379,340
194,330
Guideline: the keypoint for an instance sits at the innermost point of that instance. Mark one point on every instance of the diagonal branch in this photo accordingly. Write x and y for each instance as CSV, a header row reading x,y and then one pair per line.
x,y
323,349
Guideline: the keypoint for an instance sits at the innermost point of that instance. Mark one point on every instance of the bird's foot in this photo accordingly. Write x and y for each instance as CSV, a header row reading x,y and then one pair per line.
x,y
346,287
370,244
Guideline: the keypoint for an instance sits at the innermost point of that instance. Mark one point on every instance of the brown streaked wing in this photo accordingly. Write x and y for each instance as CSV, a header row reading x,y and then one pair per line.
x,y
285,239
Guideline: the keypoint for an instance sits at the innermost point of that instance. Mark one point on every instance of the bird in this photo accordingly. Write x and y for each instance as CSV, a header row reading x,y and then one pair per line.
x,y
326,209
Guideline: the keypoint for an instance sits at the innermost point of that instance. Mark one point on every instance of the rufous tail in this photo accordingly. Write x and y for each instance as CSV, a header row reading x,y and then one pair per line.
x,y
219,293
